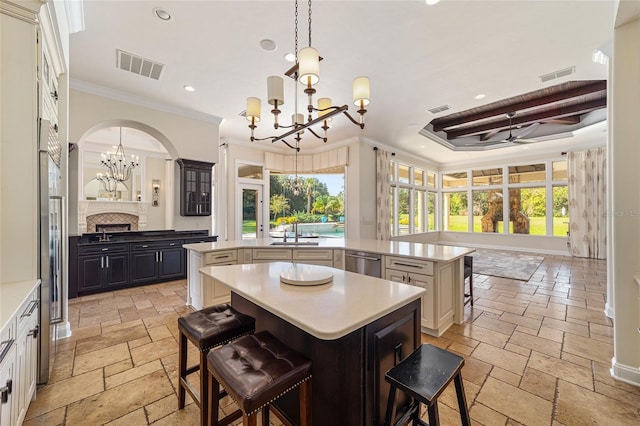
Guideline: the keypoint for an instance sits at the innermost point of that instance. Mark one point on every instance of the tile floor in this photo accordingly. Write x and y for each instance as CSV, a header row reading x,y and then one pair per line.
x,y
537,353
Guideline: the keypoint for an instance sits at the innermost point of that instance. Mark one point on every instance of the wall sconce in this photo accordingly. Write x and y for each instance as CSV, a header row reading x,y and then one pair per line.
x,y
155,192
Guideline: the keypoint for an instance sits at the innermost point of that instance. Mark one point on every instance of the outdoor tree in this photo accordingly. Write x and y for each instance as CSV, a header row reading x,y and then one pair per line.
x,y
278,204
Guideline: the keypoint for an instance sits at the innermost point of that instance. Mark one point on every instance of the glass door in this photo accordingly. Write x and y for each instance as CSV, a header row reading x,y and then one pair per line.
x,y
251,225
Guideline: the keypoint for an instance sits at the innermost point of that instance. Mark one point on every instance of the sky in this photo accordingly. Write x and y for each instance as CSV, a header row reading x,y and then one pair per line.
x,y
335,183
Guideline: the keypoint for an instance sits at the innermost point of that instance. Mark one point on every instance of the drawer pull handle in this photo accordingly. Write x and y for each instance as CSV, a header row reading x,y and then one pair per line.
x,y
105,249
408,265
362,257
34,332
222,257
5,349
397,354
172,244
145,246
6,391
32,306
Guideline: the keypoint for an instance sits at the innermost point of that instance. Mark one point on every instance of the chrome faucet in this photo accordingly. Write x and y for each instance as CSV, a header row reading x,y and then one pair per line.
x,y
295,230
285,234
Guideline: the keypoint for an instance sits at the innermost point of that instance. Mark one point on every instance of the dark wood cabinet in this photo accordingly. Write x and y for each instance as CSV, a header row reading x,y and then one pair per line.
x,y
157,261
103,266
130,259
195,187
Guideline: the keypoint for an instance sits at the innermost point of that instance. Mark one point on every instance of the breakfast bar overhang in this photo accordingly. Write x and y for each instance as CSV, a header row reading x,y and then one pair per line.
x,y
353,329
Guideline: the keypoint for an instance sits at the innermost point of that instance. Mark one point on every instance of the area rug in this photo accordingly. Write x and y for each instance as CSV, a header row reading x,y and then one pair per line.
x,y
505,264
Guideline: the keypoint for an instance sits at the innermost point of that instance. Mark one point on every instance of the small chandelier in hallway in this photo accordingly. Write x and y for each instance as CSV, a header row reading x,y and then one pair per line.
x,y
118,167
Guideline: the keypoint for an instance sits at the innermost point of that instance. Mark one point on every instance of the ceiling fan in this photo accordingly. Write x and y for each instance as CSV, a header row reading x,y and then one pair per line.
x,y
518,137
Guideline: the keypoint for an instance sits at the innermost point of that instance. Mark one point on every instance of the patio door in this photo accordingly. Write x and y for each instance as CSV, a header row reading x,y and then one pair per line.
x,y
251,224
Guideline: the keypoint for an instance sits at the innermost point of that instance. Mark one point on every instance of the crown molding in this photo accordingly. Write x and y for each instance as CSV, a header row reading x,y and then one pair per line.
x,y
95,89
26,11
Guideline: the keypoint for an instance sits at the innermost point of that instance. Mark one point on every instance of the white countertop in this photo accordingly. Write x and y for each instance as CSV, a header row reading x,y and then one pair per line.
x,y
435,252
327,311
12,295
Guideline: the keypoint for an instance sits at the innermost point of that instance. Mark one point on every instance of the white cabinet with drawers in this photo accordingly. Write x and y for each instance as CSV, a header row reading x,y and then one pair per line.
x,y
435,278
313,256
202,291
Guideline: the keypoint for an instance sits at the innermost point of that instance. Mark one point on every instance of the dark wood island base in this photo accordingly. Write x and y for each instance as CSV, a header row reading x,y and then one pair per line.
x,y
348,373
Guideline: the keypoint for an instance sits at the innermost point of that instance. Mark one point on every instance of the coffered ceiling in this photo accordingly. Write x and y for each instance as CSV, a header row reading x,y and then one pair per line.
x,y
418,57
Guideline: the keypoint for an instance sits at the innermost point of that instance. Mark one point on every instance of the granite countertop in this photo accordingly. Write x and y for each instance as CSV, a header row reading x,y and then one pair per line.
x,y
133,236
12,295
326,311
435,252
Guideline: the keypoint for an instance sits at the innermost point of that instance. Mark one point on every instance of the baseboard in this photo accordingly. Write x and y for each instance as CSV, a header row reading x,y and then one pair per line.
x,y
624,373
63,330
508,248
608,310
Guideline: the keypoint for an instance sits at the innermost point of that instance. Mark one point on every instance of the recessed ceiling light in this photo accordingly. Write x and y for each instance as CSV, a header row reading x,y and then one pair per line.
x,y
290,57
189,88
162,14
479,96
268,45
431,2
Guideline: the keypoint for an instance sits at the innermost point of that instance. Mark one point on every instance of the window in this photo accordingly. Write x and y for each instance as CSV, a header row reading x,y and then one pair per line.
x,y
528,211
412,208
560,211
527,173
487,177
488,211
315,202
454,180
455,211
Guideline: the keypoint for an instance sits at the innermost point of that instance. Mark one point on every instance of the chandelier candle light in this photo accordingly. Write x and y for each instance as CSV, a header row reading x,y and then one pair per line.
x,y
307,72
118,167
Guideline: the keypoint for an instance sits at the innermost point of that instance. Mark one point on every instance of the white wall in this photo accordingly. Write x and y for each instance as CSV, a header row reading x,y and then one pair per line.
x,y
18,148
624,203
154,169
183,136
360,192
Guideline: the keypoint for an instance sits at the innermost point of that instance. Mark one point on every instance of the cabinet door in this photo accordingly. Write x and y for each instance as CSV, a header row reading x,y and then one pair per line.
x,y
90,270
204,193
7,380
394,275
144,266
32,356
429,308
117,269
189,204
388,344
171,263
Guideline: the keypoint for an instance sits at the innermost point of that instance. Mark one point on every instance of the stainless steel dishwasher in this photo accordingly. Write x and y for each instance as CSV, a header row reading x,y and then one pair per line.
x,y
363,262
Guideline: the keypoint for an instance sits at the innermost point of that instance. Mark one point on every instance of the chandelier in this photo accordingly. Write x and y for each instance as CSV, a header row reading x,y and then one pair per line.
x,y
118,167
307,72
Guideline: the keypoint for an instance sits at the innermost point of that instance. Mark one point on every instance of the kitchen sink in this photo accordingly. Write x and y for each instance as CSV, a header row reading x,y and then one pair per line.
x,y
293,243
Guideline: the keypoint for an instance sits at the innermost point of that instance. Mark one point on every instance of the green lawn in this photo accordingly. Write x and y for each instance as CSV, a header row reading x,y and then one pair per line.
x,y
249,227
537,225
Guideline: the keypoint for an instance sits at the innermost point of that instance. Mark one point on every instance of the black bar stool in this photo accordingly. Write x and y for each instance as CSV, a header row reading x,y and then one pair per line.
x,y
206,329
423,376
255,370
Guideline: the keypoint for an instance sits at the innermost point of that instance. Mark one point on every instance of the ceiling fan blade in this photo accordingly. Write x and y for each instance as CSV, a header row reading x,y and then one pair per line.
x,y
523,141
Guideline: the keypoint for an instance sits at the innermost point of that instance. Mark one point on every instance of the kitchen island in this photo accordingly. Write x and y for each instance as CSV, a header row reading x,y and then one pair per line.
x,y
352,335
438,269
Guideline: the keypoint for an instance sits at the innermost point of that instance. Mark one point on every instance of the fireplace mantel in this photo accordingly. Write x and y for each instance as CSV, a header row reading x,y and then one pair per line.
x,y
89,208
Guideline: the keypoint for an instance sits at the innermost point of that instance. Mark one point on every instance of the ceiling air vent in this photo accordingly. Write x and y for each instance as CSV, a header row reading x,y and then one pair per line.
x,y
441,108
557,74
139,65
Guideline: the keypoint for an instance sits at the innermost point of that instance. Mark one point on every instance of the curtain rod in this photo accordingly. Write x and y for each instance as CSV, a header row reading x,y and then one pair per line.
x,y
375,148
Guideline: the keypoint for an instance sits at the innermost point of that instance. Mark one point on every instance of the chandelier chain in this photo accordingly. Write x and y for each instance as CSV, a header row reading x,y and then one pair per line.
x,y
309,23
296,21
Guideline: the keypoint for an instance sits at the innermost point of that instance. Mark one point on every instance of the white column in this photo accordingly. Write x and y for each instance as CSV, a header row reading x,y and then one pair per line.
x,y
625,198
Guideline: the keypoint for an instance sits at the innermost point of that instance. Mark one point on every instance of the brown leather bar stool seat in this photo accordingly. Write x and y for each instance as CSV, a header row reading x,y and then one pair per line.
x,y
423,376
255,370
206,329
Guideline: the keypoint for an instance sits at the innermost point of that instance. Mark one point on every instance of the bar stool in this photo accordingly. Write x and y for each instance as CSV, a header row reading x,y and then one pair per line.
x,y
423,376
206,329
255,370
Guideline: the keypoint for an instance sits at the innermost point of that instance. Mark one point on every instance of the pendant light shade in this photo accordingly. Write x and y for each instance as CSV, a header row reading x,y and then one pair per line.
x,y
361,91
324,104
275,90
253,109
309,66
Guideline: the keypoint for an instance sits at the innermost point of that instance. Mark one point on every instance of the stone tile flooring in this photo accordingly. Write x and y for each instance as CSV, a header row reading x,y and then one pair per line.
x,y
537,353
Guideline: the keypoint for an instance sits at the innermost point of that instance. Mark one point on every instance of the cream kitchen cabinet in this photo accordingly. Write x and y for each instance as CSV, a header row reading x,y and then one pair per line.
x,y
313,256
435,278
18,350
202,291
262,255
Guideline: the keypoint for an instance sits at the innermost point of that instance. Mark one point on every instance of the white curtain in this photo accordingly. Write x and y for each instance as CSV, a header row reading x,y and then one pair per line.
x,y
587,203
383,187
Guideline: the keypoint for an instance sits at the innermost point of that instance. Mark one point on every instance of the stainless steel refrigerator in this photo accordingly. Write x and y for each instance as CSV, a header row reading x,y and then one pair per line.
x,y
52,213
